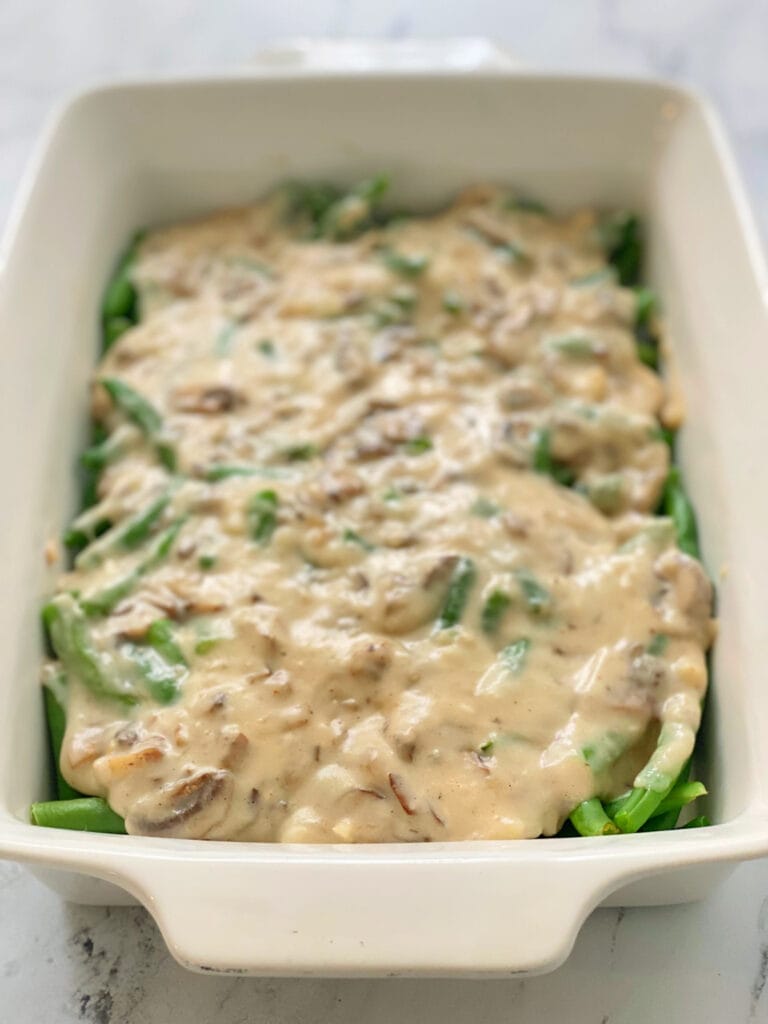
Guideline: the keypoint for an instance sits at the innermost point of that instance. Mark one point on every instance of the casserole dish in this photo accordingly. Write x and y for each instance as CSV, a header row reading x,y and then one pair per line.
x,y
123,156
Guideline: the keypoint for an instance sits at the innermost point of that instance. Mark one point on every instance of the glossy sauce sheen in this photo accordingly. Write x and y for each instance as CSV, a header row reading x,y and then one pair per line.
x,y
393,410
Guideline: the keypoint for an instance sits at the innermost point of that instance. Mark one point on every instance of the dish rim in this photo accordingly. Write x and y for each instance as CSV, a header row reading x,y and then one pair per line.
x,y
121,859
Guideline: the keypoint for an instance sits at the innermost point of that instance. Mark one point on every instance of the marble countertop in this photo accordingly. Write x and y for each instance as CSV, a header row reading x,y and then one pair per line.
x,y
705,963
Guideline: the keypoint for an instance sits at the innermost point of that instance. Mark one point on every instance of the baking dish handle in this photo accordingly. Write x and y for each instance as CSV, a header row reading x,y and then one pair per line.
x,y
300,913
313,56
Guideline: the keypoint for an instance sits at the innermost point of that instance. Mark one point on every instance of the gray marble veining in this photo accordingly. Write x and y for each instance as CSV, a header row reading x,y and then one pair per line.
x,y
706,963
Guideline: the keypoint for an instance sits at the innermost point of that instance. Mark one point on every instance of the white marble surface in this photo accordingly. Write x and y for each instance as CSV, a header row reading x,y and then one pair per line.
x,y
704,963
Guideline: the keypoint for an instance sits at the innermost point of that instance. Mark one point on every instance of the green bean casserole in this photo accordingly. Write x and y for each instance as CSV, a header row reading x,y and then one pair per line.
x,y
382,539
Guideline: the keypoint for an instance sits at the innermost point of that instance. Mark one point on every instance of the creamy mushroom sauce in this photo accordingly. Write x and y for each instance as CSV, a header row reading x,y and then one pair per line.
x,y
388,394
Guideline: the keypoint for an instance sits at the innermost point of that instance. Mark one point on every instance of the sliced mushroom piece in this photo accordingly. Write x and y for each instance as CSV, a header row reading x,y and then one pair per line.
x,y
512,440
113,767
353,363
238,748
639,689
186,809
397,786
370,444
199,596
490,227
341,485
207,399
401,601
520,392
369,659
689,592
86,745
398,426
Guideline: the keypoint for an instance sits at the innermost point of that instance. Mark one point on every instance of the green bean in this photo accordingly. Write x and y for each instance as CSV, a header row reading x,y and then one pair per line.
x,y
409,265
105,600
300,452
89,494
56,717
453,303
574,346
141,412
514,655
524,204
135,406
544,463
607,492
119,299
119,309
125,536
76,539
658,645
678,507
590,819
646,304
605,751
622,239
681,794
84,814
640,805
495,607
702,821
373,189
646,341
612,807
418,445
114,328
136,530
70,638
311,200
484,508
355,212
513,254
658,533
211,632
160,636
406,298
603,275
389,312
648,354
661,822
99,455
669,436
537,597
333,214
665,818
224,471
161,679
261,514
353,537
462,581
225,339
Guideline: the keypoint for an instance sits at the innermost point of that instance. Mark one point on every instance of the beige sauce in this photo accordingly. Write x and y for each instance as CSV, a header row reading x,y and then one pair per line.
x,y
394,419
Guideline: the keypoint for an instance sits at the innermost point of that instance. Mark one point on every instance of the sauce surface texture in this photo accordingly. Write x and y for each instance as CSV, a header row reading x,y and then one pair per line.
x,y
382,562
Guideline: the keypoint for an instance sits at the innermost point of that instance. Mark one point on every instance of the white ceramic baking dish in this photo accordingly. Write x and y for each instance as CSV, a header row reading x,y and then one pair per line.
x,y
128,155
